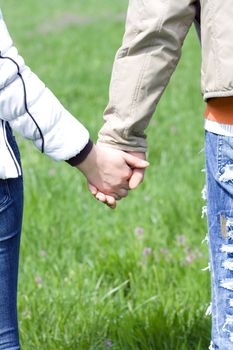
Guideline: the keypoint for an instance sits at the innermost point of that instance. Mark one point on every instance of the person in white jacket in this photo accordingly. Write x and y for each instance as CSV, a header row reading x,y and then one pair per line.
x,y
27,106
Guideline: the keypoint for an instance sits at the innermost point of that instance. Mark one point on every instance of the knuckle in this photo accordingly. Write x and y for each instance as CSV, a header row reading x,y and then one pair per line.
x,y
127,174
124,193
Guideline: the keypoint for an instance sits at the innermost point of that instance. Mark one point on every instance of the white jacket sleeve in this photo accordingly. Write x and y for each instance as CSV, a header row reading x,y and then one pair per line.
x,y
32,109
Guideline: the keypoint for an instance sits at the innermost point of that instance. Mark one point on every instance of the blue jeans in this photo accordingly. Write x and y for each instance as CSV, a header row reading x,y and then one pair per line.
x,y
219,180
11,208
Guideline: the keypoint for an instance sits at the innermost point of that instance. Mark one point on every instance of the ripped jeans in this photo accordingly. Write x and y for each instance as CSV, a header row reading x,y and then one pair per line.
x,y
219,181
11,207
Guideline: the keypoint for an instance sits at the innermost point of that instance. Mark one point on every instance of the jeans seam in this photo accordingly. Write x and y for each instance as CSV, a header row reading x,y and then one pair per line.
x,y
219,150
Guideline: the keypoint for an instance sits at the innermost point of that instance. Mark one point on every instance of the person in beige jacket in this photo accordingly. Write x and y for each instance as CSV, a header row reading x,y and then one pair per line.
x,y
151,48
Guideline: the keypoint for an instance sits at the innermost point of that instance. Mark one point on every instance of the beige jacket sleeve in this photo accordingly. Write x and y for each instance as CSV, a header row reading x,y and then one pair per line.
x,y
151,48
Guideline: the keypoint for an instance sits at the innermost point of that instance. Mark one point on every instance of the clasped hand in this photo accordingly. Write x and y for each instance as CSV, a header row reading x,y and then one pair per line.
x,y
111,173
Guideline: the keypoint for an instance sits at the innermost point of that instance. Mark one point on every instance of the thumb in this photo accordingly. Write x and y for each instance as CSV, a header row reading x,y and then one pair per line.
x,y
135,162
136,178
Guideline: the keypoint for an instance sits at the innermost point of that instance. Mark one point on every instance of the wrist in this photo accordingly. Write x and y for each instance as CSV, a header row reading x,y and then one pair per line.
x,y
140,155
80,157
89,162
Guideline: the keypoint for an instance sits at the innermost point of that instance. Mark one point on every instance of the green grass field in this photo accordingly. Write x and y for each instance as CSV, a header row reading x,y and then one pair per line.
x,y
92,278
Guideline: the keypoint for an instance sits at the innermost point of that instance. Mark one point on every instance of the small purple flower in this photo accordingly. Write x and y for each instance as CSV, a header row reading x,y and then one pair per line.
x,y
173,129
163,251
189,258
38,280
147,251
43,253
139,231
108,343
181,239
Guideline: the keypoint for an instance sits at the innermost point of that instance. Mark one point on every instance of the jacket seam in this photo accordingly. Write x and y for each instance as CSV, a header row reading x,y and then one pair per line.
x,y
29,105
145,62
214,40
165,10
11,79
25,97
139,83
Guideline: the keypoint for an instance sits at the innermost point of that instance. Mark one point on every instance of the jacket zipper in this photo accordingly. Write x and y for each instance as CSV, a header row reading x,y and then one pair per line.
x,y
18,168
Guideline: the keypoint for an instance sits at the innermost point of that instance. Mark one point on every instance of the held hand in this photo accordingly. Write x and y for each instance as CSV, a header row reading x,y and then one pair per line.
x,y
137,174
134,181
109,170
104,198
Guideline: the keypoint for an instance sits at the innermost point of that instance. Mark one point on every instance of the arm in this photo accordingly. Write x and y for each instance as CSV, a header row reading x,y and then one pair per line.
x,y
151,48
33,110
150,51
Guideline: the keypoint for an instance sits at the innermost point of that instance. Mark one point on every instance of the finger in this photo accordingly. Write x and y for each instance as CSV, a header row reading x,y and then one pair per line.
x,y
110,201
135,162
92,189
101,197
115,196
124,185
122,192
136,178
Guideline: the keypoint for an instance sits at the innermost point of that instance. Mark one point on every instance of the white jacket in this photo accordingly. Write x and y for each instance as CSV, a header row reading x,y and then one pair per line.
x,y
33,111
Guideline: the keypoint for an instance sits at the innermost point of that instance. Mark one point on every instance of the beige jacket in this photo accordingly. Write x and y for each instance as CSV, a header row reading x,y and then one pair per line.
x,y
151,48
